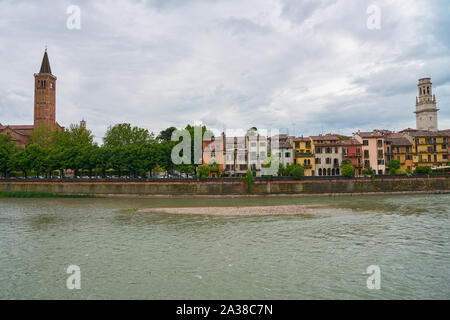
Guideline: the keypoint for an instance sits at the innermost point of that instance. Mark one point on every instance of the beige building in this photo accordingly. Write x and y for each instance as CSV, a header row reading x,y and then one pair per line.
x,y
426,111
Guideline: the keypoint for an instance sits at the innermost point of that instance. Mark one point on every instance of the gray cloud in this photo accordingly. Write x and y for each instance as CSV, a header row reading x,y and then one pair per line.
x,y
306,66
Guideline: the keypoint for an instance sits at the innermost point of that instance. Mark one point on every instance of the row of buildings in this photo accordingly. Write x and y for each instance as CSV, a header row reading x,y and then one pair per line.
x,y
323,155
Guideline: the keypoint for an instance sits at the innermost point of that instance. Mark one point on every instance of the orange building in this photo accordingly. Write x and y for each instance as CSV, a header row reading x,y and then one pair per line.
x,y
213,155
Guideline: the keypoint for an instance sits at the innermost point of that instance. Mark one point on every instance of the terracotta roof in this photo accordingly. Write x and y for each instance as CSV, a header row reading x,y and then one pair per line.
x,y
372,134
305,139
399,141
424,133
324,138
351,142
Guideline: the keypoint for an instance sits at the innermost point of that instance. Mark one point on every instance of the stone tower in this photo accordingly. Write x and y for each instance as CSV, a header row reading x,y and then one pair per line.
x,y
426,111
45,95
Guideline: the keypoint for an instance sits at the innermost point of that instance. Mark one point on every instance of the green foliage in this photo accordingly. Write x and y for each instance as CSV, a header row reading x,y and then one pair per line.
x,y
348,170
394,166
8,150
123,134
293,170
250,180
422,169
203,172
345,162
367,172
166,135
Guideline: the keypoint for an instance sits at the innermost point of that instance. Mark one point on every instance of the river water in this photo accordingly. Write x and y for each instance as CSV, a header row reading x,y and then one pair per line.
x,y
123,254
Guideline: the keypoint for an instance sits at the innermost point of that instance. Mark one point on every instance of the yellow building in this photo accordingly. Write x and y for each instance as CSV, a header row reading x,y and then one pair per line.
x,y
400,148
430,148
304,155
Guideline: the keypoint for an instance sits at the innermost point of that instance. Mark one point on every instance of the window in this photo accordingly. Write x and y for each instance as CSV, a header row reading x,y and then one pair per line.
x,y
262,154
366,153
380,143
328,150
365,142
317,160
328,161
318,150
287,155
336,150
345,151
51,87
262,144
253,144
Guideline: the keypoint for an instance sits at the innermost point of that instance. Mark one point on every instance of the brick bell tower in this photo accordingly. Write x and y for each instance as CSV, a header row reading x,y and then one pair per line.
x,y
45,95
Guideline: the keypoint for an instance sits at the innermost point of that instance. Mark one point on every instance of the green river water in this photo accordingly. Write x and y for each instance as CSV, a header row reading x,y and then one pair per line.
x,y
123,254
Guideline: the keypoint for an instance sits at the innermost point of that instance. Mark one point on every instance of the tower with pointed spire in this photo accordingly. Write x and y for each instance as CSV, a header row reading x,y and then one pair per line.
x,y
45,95
426,111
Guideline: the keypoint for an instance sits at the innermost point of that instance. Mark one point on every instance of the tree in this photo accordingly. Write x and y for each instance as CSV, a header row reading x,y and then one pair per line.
x,y
123,134
42,135
76,135
422,169
249,179
7,151
394,165
203,172
348,170
35,158
166,135
298,172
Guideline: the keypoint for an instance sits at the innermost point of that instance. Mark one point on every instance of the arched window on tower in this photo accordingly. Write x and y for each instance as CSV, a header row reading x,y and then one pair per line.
x,y
428,90
39,83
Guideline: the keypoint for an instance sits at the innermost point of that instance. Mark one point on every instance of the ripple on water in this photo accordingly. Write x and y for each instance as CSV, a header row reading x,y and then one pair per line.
x,y
129,255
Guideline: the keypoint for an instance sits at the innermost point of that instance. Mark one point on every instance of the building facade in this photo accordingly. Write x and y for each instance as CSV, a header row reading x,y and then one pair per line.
x,y
400,148
373,149
328,155
351,150
303,149
429,148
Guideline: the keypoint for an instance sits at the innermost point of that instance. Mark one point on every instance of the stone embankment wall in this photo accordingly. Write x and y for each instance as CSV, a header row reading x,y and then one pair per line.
x,y
354,186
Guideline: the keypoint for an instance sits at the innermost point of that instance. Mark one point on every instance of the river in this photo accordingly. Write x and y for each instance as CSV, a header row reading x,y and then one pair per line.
x,y
123,254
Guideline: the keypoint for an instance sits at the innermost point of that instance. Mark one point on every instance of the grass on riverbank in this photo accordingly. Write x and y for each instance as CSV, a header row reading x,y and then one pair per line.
x,y
42,195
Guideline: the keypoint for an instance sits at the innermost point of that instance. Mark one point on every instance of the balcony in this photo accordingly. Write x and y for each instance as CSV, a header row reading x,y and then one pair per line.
x,y
303,155
307,166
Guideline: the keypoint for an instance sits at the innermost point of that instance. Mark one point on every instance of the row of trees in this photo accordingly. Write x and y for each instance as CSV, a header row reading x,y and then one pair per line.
x,y
126,150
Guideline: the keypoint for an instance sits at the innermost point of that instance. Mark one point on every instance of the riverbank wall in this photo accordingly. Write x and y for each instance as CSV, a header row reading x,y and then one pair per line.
x,y
232,188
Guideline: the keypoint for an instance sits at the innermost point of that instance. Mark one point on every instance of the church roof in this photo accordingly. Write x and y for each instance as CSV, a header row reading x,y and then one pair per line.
x,y
45,66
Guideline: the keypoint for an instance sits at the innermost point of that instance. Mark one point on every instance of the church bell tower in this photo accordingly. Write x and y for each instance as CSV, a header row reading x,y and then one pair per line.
x,y
426,111
45,95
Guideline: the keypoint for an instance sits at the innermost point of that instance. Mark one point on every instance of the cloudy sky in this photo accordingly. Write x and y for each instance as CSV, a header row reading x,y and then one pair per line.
x,y
307,66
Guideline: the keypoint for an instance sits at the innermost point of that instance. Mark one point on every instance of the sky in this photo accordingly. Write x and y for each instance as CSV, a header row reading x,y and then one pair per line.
x,y
301,67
